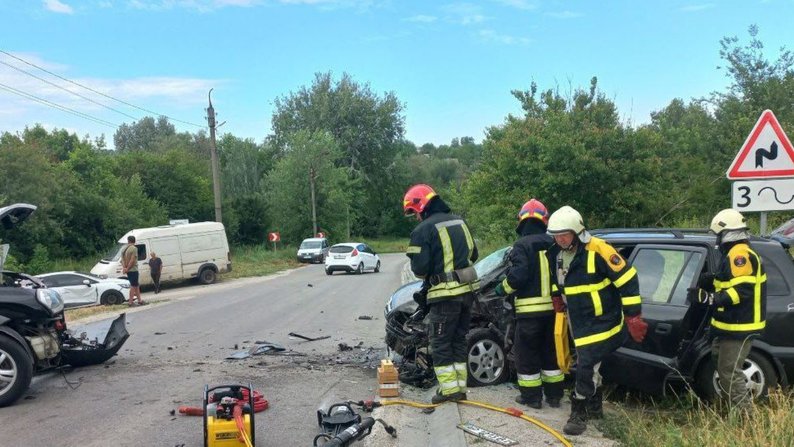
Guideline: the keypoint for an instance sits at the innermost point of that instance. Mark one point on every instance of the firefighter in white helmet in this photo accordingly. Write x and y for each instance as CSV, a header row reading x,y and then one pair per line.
x,y
739,287
601,295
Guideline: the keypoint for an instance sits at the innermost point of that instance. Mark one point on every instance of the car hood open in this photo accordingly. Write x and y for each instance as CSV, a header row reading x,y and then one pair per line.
x,y
13,215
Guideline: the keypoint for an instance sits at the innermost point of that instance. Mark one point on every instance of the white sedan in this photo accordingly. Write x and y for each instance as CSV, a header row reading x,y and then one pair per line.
x,y
85,289
351,257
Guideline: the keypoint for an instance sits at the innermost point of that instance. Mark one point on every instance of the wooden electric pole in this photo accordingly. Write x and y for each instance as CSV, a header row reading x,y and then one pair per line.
x,y
314,202
216,180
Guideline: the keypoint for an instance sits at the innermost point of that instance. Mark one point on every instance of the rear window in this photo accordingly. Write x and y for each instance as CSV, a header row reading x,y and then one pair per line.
x,y
341,249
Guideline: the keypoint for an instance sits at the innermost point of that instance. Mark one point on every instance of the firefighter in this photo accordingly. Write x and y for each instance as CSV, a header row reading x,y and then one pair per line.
x,y
442,252
739,298
528,281
600,292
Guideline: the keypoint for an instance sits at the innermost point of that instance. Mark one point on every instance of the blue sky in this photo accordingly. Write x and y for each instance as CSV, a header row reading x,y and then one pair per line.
x,y
452,64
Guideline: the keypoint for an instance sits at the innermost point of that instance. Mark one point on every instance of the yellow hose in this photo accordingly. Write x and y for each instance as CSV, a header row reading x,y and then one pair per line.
x,y
516,413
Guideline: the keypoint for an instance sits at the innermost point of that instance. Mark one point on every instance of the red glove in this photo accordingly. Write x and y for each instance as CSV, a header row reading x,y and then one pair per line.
x,y
558,303
637,327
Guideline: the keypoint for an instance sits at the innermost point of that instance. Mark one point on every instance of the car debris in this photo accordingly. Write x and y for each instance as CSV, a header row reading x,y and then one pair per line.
x,y
293,334
364,317
487,435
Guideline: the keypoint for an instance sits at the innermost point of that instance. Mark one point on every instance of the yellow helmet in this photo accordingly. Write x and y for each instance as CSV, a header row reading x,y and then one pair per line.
x,y
565,219
728,219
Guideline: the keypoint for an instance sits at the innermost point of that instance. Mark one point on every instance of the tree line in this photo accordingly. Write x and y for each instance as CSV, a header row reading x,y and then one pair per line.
x,y
567,147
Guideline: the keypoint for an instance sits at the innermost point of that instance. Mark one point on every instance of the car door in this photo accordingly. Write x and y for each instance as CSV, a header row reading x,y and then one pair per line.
x,y
72,289
665,272
366,256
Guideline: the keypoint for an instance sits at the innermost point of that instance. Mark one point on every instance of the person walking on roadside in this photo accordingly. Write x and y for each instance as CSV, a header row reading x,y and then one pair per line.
x,y
599,291
528,281
155,268
129,266
739,300
442,252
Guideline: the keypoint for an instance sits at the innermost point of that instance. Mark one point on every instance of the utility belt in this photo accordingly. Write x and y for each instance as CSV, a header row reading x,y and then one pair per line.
x,y
461,276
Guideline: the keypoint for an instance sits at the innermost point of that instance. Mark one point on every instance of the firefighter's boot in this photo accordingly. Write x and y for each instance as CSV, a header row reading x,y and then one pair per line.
x,y
595,405
535,402
577,422
439,398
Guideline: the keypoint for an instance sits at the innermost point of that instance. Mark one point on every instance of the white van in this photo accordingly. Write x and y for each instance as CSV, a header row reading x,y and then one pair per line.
x,y
313,249
194,250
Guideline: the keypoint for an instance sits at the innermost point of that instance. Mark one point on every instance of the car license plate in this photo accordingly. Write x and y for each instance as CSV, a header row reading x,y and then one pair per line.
x,y
339,257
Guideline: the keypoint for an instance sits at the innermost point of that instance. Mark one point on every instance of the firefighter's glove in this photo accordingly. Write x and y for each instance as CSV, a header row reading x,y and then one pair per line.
x,y
558,303
637,327
722,299
706,281
500,290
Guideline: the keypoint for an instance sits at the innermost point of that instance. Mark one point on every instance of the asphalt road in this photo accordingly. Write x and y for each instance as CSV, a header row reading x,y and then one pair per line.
x,y
179,344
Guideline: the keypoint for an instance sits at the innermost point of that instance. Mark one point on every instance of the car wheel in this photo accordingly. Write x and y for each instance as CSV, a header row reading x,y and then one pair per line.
x,y
16,371
207,276
111,298
759,375
487,362
360,269
377,267
328,272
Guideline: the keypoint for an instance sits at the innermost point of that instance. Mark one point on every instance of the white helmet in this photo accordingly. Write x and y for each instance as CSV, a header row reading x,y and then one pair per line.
x,y
566,219
728,219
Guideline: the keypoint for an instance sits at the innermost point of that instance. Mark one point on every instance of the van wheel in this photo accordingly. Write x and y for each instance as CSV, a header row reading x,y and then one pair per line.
x,y
328,272
16,371
111,298
486,360
760,376
207,276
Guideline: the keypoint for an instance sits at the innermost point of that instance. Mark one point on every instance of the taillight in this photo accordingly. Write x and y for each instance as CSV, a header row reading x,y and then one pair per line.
x,y
355,252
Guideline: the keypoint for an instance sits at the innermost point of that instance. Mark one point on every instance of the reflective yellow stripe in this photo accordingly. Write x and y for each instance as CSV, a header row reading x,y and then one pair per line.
x,y
413,249
446,247
451,288
738,326
533,300
545,281
469,242
507,287
597,303
626,277
631,300
733,294
601,336
447,379
554,376
529,308
591,261
722,285
587,288
529,380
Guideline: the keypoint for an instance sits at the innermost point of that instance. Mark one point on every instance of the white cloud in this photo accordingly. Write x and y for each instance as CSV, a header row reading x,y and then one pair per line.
x,y
490,35
526,5
58,6
698,7
421,18
198,5
465,13
564,14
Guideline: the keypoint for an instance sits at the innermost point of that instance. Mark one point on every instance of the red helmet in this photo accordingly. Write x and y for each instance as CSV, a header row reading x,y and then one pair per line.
x,y
534,209
416,199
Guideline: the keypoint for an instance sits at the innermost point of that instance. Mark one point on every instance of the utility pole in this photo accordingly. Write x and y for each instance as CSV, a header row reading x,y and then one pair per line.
x,y
216,180
314,204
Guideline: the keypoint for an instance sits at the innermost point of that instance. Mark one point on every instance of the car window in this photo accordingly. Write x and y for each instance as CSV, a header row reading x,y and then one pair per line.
x,y
361,247
72,280
368,249
51,281
687,279
341,249
775,284
658,271
491,262
62,280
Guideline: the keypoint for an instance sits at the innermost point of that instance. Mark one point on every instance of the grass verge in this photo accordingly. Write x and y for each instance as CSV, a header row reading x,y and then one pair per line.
x,y
689,422
258,260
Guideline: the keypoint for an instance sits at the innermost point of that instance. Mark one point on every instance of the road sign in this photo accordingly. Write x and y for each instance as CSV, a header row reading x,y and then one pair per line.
x,y
766,153
274,237
764,195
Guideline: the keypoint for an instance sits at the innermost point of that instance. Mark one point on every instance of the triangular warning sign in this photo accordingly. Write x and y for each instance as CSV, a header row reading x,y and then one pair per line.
x,y
766,153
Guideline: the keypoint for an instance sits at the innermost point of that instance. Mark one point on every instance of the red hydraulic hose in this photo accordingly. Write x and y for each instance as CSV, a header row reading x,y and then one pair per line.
x,y
260,404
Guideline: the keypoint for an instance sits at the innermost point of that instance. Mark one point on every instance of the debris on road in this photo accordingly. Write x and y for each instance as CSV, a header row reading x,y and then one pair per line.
x,y
364,317
293,334
345,347
487,435
159,333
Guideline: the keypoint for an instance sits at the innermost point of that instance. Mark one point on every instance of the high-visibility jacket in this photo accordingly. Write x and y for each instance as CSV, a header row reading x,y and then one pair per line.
x,y
740,282
600,287
528,276
441,244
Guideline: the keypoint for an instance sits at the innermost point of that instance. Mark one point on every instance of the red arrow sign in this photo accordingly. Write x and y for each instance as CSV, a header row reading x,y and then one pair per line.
x,y
274,237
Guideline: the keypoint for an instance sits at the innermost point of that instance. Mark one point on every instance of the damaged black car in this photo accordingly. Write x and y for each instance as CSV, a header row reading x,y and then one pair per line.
x,y
33,333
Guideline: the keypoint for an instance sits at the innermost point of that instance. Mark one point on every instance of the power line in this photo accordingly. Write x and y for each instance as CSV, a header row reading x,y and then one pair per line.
x,y
56,106
98,92
69,91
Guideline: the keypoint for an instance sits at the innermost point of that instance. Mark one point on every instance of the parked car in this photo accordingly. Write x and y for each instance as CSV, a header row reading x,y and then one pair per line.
x,y
194,250
351,257
313,249
676,348
85,289
33,333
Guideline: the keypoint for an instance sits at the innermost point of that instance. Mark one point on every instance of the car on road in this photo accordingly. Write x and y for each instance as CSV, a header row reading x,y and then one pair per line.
x,y
33,333
85,289
676,349
352,257
313,249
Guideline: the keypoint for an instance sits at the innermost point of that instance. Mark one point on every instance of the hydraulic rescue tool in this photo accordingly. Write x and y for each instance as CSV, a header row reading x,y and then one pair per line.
x,y
228,412
342,426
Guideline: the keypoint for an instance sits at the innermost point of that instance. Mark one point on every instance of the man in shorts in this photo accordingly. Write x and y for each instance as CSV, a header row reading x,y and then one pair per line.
x,y
129,264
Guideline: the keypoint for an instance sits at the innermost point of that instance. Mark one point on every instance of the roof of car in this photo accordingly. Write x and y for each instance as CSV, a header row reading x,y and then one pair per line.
x,y
690,234
349,244
72,272
313,239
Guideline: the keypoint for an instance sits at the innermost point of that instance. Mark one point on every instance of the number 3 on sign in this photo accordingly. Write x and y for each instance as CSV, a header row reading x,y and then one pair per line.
x,y
743,201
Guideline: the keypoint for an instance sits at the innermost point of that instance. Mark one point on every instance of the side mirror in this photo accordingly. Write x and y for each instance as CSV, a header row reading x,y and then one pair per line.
x,y
87,282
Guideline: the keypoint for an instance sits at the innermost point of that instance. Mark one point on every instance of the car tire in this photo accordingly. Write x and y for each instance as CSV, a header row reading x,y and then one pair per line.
x,y
18,369
377,267
328,272
111,298
207,276
360,269
486,359
760,373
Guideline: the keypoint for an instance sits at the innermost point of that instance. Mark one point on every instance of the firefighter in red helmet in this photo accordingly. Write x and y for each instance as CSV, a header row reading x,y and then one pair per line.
x,y
528,283
442,252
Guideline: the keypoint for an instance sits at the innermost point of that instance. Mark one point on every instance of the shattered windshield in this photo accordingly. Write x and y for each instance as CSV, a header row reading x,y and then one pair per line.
x,y
489,263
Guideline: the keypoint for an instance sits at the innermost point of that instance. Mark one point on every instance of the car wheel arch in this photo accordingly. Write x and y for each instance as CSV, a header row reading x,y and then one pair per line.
x,y
12,334
701,372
